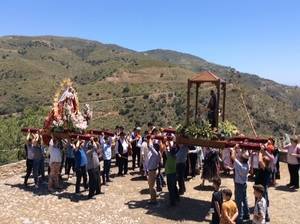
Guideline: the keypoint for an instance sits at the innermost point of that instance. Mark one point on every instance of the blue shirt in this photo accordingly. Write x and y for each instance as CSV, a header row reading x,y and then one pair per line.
x,y
153,158
37,152
80,158
181,155
83,161
106,151
241,171
70,151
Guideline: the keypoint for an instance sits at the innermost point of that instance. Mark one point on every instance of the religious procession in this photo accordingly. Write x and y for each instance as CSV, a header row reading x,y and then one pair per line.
x,y
164,157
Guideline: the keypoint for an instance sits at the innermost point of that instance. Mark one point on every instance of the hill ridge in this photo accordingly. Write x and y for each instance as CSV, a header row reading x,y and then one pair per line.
x,y
30,71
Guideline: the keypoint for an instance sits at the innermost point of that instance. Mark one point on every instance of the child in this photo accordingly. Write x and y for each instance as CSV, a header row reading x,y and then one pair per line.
x,y
260,208
229,209
263,175
216,202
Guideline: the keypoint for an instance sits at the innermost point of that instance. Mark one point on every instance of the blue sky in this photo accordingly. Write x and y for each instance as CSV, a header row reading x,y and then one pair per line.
x,y
255,36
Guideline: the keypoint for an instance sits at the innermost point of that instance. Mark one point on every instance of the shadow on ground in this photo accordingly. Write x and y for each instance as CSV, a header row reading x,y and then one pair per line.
x,y
284,188
145,191
133,173
229,176
187,209
43,190
138,178
204,188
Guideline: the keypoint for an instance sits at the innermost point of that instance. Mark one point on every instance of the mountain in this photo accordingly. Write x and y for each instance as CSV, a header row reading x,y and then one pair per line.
x,y
184,60
132,88
197,64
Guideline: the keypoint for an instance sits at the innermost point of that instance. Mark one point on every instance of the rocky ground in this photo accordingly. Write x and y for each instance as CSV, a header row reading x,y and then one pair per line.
x,y
125,200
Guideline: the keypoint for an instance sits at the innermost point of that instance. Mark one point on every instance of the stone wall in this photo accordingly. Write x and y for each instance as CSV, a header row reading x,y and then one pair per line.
x,y
12,169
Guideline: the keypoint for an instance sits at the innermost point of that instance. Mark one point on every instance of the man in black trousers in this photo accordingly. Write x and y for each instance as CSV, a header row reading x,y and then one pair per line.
x,y
136,147
122,147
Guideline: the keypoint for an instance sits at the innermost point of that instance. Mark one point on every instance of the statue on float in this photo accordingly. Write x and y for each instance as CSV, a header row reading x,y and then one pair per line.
x,y
65,113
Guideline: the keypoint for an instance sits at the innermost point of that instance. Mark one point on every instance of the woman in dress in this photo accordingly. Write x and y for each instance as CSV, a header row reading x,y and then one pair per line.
x,y
227,162
293,157
211,165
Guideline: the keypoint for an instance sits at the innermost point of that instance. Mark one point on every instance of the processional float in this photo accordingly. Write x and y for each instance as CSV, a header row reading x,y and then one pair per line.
x,y
247,143
65,120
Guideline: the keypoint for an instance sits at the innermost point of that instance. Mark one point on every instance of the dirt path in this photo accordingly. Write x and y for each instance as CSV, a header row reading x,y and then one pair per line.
x,y
127,97
125,201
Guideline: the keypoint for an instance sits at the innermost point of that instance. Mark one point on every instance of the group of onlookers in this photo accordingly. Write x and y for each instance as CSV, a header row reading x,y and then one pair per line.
x,y
159,157
264,174
261,165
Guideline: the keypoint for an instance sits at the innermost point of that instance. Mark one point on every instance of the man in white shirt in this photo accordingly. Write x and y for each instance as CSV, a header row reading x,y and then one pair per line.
x,y
106,152
153,164
55,163
121,149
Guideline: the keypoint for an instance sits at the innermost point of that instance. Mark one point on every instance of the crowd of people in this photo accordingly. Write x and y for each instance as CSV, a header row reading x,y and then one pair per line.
x,y
163,162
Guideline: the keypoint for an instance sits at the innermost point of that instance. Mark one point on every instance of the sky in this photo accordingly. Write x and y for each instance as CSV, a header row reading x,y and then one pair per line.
x,y
255,36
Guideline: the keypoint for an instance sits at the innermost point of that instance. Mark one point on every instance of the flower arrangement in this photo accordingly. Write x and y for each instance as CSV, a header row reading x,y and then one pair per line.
x,y
203,130
227,129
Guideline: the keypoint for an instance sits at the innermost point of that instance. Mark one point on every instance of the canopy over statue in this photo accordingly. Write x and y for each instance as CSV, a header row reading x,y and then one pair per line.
x,y
213,106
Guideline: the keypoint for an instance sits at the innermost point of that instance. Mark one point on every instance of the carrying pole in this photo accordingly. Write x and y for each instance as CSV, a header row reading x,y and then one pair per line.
x,y
247,112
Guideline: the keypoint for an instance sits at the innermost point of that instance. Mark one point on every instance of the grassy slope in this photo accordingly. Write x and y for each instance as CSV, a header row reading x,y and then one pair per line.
x,y
32,67
273,107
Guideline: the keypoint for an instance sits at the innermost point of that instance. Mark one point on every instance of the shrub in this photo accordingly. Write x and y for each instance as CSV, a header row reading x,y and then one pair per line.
x,y
170,95
151,101
124,111
128,106
125,89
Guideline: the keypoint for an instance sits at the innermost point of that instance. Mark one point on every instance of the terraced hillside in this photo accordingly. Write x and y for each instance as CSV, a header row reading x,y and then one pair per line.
x,y
128,87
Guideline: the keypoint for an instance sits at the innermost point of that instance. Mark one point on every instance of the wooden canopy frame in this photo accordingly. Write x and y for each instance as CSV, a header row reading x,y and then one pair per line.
x,y
206,77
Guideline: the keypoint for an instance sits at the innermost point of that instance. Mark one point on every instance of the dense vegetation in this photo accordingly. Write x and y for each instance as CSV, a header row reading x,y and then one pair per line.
x,y
124,86
11,139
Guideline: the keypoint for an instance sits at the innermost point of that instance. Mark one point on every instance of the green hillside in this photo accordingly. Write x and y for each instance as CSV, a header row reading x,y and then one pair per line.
x,y
128,87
